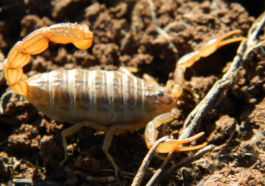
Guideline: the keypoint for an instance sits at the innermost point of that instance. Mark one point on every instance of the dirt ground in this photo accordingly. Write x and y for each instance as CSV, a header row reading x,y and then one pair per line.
x,y
125,35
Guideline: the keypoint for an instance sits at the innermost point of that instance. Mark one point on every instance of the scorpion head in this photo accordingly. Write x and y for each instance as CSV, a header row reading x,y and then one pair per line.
x,y
159,99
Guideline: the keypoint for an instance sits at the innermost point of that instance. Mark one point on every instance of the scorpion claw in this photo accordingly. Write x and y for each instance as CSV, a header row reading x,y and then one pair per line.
x,y
214,44
170,145
190,58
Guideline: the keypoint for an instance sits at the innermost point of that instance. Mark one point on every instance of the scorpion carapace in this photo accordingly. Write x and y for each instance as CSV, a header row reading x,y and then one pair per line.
x,y
112,102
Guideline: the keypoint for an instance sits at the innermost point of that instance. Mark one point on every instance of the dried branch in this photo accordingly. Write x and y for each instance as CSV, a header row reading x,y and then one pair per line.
x,y
186,161
159,30
141,171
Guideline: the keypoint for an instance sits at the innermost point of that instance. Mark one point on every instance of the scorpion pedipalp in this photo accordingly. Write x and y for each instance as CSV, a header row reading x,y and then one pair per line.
x,y
176,86
189,59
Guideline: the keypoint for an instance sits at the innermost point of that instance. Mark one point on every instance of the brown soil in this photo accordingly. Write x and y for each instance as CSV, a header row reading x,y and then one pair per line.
x,y
125,35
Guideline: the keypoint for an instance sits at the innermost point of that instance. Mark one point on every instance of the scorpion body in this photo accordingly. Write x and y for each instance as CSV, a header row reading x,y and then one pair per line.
x,y
112,102
80,95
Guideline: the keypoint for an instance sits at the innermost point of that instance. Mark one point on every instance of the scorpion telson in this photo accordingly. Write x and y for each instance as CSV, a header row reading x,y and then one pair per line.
x,y
108,101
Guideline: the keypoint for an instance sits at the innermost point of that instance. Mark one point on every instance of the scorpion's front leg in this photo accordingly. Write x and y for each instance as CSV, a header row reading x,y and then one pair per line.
x,y
170,145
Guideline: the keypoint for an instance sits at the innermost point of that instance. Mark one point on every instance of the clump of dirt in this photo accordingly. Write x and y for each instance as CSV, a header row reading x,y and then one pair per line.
x,y
151,39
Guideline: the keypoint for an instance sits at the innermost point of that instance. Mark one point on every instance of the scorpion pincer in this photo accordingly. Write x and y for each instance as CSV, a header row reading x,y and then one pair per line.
x,y
112,102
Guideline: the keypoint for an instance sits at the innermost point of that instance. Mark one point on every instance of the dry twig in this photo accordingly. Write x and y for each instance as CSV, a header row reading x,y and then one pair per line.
x,y
106,179
141,171
30,181
159,30
186,161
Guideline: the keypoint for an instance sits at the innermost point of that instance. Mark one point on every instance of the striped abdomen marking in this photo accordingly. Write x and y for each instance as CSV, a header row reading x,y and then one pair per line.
x,y
101,96
105,97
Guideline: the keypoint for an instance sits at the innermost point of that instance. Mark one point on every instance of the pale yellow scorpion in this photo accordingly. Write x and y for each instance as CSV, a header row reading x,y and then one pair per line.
x,y
112,102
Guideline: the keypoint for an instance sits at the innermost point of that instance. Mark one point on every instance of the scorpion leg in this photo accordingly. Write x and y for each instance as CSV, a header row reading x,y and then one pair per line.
x,y
115,129
75,128
128,70
110,131
149,79
170,145
190,58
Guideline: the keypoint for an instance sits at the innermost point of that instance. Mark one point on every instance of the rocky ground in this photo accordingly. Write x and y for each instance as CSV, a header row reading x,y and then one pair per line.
x,y
126,35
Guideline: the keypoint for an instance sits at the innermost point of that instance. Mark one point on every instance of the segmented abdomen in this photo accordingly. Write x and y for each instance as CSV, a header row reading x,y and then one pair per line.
x,y
105,97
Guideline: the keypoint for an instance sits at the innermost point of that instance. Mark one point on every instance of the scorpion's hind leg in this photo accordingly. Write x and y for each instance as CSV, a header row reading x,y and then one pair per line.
x,y
128,70
170,145
75,128
151,80
110,131
116,129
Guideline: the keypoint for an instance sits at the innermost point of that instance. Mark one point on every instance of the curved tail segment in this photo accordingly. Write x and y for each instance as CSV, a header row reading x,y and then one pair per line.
x,y
37,42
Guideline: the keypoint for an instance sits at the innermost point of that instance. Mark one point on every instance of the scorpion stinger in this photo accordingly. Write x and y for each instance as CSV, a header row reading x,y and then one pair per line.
x,y
37,42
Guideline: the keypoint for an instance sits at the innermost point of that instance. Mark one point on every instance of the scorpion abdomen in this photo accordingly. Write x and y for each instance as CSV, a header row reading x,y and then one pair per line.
x,y
106,97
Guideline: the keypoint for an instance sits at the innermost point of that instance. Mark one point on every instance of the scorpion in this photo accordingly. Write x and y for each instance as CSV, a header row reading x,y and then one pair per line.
x,y
108,101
